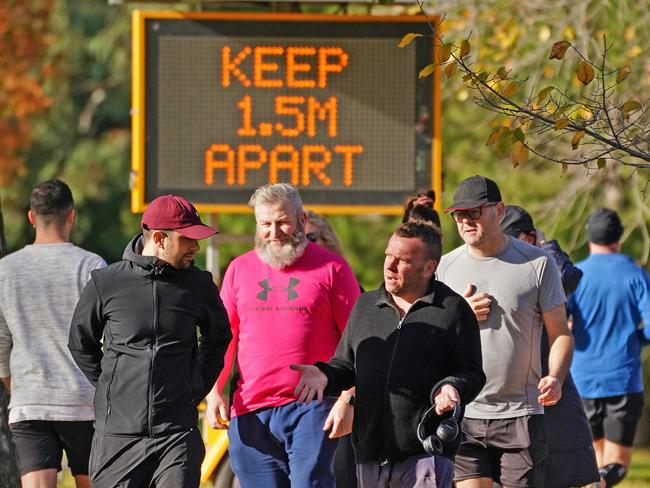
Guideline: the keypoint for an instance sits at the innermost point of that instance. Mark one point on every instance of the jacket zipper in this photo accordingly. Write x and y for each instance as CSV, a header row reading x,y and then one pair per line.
x,y
108,392
153,348
390,367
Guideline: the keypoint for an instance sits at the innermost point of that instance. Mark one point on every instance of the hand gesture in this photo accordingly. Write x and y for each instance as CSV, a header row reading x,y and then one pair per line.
x,y
312,383
217,410
445,399
550,389
339,419
480,302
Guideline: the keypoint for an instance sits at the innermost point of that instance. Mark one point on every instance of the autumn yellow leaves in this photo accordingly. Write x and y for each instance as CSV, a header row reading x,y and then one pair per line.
x,y
590,119
585,75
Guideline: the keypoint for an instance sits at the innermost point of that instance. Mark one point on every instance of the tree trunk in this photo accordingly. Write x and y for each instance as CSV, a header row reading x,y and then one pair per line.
x,y
8,467
643,431
3,242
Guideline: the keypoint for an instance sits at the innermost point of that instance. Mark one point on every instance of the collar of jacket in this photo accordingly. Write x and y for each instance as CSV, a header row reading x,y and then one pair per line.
x,y
384,298
149,265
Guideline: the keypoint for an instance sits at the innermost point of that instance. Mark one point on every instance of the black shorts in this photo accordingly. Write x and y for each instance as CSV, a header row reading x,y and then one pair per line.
x,y
172,460
40,445
615,418
510,451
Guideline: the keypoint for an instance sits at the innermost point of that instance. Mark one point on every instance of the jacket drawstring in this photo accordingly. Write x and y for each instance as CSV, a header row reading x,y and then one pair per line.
x,y
390,465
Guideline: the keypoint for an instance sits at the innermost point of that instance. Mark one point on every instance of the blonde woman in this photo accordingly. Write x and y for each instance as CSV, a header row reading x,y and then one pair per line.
x,y
319,231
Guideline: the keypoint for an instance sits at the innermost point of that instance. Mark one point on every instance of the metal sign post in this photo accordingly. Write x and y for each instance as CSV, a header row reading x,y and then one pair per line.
x,y
212,251
3,242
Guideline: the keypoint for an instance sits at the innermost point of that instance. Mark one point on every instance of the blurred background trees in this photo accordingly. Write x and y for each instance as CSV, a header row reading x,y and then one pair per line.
x,y
64,105
65,99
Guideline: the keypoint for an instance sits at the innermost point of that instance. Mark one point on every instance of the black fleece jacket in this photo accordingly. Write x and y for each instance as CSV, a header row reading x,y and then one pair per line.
x,y
153,370
394,363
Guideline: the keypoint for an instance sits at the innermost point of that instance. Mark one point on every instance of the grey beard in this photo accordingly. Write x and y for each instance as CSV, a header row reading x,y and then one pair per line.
x,y
283,257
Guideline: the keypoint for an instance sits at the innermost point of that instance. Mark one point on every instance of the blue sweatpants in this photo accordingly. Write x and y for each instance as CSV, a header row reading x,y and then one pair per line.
x,y
283,447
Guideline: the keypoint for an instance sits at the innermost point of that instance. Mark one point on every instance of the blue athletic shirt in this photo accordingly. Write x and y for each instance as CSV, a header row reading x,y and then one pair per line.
x,y
611,301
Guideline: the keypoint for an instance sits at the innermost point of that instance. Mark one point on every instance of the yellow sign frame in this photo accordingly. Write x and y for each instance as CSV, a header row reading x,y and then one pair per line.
x,y
138,169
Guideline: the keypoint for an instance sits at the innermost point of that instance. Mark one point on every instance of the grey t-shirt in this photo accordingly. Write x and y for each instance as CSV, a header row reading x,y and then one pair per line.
x,y
39,289
523,281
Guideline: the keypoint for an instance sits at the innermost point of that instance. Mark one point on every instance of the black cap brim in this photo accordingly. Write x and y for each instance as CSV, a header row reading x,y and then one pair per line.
x,y
465,205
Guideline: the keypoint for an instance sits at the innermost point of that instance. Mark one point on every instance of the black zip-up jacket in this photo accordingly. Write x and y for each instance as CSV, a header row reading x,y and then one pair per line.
x,y
153,369
395,362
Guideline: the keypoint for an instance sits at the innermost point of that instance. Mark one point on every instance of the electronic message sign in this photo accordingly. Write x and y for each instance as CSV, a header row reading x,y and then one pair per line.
x,y
224,103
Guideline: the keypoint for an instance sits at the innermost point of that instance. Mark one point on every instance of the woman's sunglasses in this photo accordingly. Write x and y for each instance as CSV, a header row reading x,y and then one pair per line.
x,y
312,236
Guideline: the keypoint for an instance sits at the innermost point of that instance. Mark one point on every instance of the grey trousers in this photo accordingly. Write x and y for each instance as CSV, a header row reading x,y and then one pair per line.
x,y
137,462
415,472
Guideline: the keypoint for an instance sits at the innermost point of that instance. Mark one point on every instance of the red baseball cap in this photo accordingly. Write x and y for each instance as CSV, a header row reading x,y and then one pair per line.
x,y
175,213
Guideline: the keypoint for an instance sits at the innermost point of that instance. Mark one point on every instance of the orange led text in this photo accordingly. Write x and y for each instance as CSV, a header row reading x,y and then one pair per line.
x,y
302,164
304,66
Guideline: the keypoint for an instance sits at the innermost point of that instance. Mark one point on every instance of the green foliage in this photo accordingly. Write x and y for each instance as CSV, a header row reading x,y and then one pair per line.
x,y
639,475
238,225
364,240
518,38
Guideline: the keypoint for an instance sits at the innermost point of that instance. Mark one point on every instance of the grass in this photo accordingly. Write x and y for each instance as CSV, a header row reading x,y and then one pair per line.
x,y
639,476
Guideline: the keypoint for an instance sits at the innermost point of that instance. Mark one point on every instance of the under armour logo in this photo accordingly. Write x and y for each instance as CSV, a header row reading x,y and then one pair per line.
x,y
291,294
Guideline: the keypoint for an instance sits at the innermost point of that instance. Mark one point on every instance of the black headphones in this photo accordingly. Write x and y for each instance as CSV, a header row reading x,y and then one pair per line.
x,y
447,431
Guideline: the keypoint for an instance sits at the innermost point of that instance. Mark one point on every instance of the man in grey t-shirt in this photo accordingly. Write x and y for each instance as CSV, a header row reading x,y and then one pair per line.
x,y
515,290
51,405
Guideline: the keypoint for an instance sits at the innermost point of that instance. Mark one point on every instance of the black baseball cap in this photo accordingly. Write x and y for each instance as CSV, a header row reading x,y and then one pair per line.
x,y
517,221
473,192
604,226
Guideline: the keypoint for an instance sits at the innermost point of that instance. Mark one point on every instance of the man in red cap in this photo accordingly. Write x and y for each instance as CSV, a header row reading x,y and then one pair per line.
x,y
134,335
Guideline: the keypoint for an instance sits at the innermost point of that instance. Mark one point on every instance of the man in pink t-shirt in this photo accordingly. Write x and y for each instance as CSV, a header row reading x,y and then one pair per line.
x,y
288,302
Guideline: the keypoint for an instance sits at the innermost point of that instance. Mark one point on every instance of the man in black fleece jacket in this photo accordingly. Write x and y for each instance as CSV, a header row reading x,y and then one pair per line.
x,y
405,338
134,335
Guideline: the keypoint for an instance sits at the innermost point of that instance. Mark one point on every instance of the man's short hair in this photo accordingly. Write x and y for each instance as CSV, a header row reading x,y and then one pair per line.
x,y
426,233
270,194
51,201
604,226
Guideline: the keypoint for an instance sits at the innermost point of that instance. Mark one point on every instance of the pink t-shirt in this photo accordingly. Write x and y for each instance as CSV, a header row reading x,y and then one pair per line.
x,y
281,317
